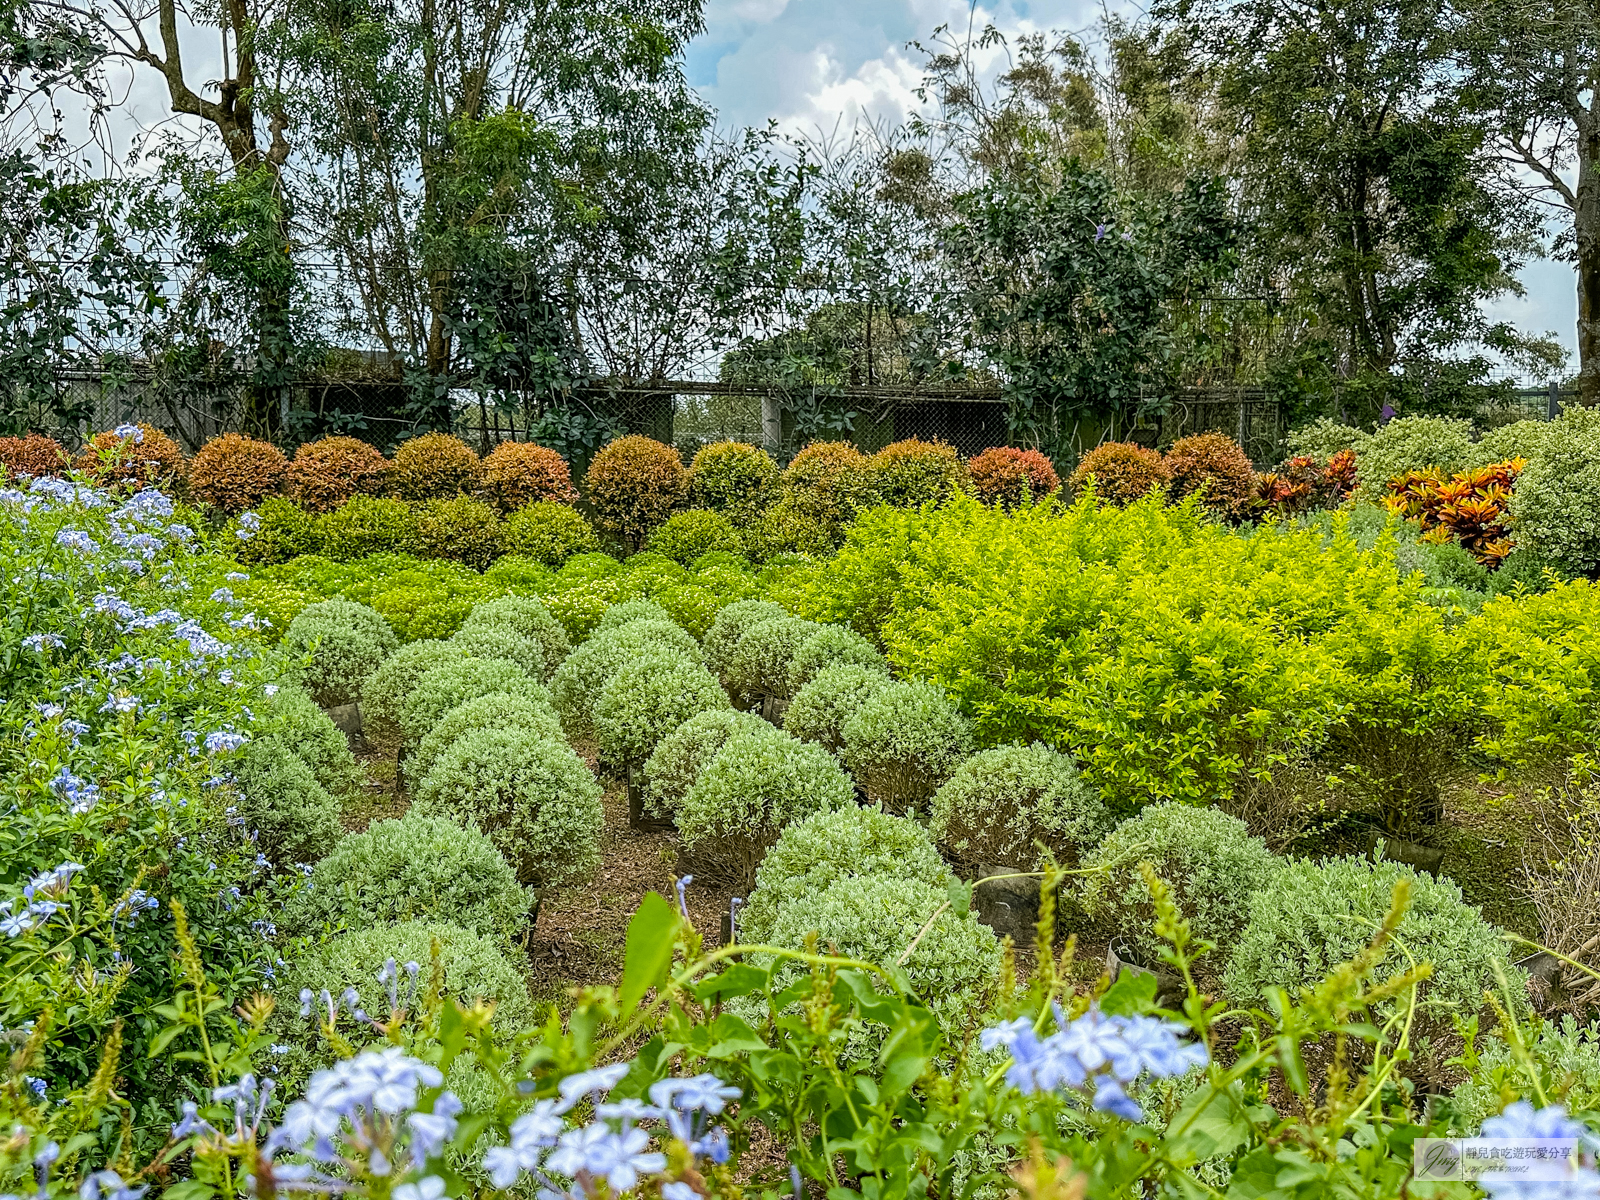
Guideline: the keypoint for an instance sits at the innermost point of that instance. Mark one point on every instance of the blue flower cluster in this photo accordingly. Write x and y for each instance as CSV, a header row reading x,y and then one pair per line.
x,y
40,901
1107,1053
1522,1122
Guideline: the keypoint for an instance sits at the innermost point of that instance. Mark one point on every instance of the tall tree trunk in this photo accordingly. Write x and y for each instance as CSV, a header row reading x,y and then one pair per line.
x,y
1586,230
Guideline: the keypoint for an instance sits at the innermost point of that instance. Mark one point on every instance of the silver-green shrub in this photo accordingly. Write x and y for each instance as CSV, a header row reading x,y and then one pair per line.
x,y
450,684
1001,803
648,697
845,843
1566,1057
678,759
723,637
1208,858
759,664
391,683
1313,916
483,641
832,646
345,641
875,918
755,785
1325,437
576,685
529,715
828,700
1412,444
415,868
534,798
294,719
1555,504
292,816
528,616
904,742
1520,439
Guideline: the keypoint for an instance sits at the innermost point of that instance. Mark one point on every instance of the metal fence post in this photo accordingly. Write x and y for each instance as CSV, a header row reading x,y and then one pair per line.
x,y
1553,407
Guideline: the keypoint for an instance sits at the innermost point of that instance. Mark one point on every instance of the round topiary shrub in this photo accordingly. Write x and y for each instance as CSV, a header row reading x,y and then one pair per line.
x,y
732,622
233,473
692,606
757,783
832,646
1555,504
759,664
292,816
812,855
475,968
296,722
576,686
363,526
434,466
1001,803
1216,467
533,798
482,641
648,697
527,616
911,473
785,529
685,536
1006,477
284,531
1208,858
460,529
904,742
529,715
733,478
828,700
517,474
628,611
1520,439
828,482
1310,917
443,687
549,533
634,483
1122,472
133,457
346,643
387,688
412,869
327,472
680,756
1324,438
1408,444
874,919
35,456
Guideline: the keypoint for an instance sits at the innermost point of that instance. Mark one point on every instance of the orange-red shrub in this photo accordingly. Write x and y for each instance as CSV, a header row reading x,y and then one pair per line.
x,y
327,472
151,460
1214,465
1123,472
911,473
1469,507
517,474
34,455
234,472
634,484
1301,483
434,466
1002,475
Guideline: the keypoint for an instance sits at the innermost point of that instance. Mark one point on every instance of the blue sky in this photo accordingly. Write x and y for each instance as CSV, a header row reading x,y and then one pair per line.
x,y
820,64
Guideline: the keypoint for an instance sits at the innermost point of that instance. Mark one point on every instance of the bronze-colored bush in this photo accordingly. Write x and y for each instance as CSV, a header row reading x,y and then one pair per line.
x,y
634,484
234,473
434,466
1002,475
133,461
1214,465
828,482
1123,472
34,456
517,474
911,473
327,472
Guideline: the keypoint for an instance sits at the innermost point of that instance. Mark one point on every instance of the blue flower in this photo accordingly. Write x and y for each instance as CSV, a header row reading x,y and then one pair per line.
x,y
597,1081
130,433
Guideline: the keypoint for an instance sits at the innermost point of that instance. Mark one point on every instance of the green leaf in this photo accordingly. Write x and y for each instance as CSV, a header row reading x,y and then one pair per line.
x,y
1209,1125
740,979
159,1042
1132,995
733,1035
648,952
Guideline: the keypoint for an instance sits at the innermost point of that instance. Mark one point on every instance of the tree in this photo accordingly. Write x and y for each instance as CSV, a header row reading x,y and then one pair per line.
x,y
1374,204
1533,68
